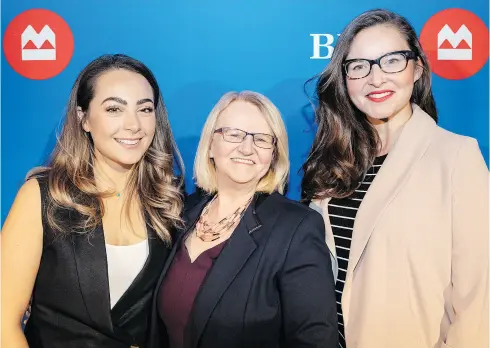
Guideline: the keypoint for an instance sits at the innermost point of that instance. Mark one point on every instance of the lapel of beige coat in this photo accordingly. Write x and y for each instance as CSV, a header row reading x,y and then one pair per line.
x,y
403,157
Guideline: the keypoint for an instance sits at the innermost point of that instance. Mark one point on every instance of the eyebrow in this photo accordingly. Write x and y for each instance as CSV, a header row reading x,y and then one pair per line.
x,y
122,101
384,54
142,101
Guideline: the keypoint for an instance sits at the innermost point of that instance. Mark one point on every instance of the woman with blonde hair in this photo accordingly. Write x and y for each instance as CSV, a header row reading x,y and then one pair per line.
x,y
251,268
86,236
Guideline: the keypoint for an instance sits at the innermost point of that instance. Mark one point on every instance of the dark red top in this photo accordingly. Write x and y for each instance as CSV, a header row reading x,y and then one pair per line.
x,y
179,289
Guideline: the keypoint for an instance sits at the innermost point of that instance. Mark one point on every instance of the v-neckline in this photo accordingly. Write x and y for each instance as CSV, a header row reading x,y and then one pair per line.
x,y
207,251
138,276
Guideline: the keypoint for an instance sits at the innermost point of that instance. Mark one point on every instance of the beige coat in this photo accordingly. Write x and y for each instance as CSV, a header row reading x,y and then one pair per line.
x,y
418,266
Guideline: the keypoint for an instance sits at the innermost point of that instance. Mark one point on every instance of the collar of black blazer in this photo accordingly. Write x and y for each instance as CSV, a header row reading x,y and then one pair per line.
x,y
197,201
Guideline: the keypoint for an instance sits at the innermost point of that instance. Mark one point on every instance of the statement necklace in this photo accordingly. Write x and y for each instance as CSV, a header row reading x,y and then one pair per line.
x,y
210,232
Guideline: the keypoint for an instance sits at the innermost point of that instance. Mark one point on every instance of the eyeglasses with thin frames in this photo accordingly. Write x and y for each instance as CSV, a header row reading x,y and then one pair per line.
x,y
235,135
390,63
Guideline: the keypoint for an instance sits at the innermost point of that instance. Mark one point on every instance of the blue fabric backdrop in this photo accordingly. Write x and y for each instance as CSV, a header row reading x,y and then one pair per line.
x,y
199,50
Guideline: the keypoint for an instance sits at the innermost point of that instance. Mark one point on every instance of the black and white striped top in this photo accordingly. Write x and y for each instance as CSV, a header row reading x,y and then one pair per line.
x,y
342,214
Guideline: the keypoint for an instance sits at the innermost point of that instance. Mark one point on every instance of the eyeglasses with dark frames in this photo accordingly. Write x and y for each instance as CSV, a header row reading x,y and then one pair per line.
x,y
235,135
390,63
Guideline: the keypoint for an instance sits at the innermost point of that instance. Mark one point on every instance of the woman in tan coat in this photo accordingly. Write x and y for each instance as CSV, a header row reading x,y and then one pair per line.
x,y
405,202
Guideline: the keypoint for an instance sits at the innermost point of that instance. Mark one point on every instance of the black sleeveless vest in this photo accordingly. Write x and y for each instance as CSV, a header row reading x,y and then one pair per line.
x,y
70,300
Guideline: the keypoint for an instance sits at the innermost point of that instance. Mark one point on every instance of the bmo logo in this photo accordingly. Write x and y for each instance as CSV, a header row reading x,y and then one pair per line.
x,y
323,45
454,46
456,43
38,44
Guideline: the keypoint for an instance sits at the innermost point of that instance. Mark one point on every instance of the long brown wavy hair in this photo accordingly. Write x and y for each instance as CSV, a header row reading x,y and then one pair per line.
x,y
70,171
346,143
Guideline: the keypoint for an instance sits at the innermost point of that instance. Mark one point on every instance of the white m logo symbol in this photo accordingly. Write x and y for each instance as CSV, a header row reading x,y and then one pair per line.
x,y
448,42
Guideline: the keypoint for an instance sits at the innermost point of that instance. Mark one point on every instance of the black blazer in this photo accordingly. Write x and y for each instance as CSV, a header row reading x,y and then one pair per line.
x,y
71,301
271,286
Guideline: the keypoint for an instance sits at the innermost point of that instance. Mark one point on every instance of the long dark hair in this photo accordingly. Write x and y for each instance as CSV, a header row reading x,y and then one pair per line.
x,y
346,143
70,172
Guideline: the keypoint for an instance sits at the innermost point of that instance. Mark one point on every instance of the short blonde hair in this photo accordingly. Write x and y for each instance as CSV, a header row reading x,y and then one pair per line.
x,y
277,176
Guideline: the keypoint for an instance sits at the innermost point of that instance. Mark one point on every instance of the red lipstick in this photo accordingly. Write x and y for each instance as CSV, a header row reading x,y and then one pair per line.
x,y
380,96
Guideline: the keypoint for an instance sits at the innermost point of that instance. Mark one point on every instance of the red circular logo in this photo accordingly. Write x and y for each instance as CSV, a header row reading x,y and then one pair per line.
x,y
456,43
38,44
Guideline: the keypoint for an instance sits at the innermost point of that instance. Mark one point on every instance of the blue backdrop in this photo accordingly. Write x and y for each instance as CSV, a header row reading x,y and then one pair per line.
x,y
199,50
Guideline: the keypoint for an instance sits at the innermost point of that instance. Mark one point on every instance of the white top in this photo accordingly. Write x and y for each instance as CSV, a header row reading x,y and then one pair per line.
x,y
124,263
